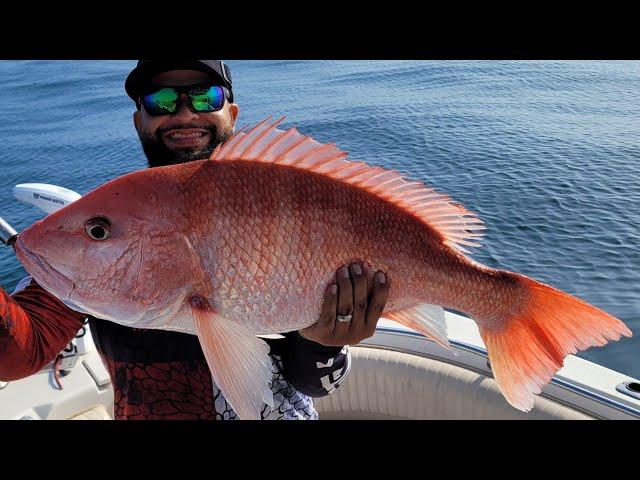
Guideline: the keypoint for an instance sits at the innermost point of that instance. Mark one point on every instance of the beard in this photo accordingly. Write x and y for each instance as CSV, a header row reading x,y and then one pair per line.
x,y
158,155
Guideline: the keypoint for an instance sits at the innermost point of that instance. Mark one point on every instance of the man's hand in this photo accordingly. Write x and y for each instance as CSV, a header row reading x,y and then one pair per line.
x,y
349,298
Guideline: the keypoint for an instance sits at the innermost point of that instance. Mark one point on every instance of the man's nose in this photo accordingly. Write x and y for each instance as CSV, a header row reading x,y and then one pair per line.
x,y
184,111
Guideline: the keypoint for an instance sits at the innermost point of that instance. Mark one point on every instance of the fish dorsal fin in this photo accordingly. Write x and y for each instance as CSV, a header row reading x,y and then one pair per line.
x,y
266,143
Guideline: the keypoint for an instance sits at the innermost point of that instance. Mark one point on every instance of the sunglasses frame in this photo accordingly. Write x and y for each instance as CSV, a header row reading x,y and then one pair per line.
x,y
186,89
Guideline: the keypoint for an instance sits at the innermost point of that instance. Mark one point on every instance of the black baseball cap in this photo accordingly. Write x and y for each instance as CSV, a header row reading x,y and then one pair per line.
x,y
140,76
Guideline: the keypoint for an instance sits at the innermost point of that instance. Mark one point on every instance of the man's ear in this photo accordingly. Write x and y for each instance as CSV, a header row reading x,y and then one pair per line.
x,y
136,120
234,110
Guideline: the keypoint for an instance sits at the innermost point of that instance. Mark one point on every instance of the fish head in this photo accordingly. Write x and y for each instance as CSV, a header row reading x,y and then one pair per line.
x,y
119,253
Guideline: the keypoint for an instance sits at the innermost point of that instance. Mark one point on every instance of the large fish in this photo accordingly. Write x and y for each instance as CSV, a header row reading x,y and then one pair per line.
x,y
245,244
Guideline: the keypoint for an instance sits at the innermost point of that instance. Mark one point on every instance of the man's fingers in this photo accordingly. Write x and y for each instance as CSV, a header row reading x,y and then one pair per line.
x,y
377,301
323,328
329,306
345,301
345,292
348,298
360,293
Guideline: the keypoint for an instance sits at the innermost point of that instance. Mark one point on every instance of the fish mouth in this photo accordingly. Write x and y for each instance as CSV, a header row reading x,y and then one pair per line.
x,y
52,280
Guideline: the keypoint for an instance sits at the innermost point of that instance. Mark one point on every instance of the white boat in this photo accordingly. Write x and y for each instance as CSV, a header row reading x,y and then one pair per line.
x,y
396,374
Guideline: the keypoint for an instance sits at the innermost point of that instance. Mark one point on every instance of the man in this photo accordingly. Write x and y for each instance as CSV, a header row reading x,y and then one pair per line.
x,y
184,109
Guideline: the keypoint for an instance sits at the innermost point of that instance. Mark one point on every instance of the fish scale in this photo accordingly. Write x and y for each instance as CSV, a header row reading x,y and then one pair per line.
x,y
311,232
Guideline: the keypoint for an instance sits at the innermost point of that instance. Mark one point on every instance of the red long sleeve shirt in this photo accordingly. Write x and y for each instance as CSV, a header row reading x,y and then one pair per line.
x,y
34,328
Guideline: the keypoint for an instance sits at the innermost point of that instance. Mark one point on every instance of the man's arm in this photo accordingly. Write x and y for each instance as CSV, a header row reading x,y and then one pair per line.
x,y
316,360
311,368
34,328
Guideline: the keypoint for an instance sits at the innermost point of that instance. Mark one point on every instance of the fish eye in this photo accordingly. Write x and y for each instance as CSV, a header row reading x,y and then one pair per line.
x,y
98,228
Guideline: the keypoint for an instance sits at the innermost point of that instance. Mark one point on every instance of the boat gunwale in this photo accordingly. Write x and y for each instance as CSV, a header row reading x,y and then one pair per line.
x,y
474,349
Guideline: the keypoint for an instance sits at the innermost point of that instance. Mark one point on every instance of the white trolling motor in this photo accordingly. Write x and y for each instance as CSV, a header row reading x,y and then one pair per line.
x,y
48,198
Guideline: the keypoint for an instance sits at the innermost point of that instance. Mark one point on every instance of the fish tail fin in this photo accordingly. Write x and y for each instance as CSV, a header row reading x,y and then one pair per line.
x,y
527,346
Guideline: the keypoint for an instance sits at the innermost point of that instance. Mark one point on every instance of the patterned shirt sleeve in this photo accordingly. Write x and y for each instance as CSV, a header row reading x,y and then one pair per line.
x,y
34,328
313,369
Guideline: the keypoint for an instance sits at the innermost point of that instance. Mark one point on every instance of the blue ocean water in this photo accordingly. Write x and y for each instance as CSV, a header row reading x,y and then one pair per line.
x,y
546,152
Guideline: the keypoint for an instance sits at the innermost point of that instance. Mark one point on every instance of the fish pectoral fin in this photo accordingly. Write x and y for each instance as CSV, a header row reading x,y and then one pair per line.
x,y
426,319
239,361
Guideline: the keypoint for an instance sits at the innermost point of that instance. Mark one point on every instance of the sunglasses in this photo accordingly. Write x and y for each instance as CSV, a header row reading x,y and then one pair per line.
x,y
203,99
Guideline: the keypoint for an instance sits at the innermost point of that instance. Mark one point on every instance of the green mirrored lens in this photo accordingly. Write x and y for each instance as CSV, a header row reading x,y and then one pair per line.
x,y
208,100
161,102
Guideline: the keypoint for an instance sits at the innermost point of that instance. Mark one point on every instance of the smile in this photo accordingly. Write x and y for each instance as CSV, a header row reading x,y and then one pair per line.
x,y
181,136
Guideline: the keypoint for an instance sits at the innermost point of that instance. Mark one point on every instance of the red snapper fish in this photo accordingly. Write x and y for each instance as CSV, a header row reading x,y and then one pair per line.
x,y
245,243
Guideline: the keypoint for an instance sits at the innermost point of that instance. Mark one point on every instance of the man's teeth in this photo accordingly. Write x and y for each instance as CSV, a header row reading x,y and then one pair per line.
x,y
180,136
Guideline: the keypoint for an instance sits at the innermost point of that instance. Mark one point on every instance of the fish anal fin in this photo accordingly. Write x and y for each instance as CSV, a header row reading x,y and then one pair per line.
x,y
426,319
